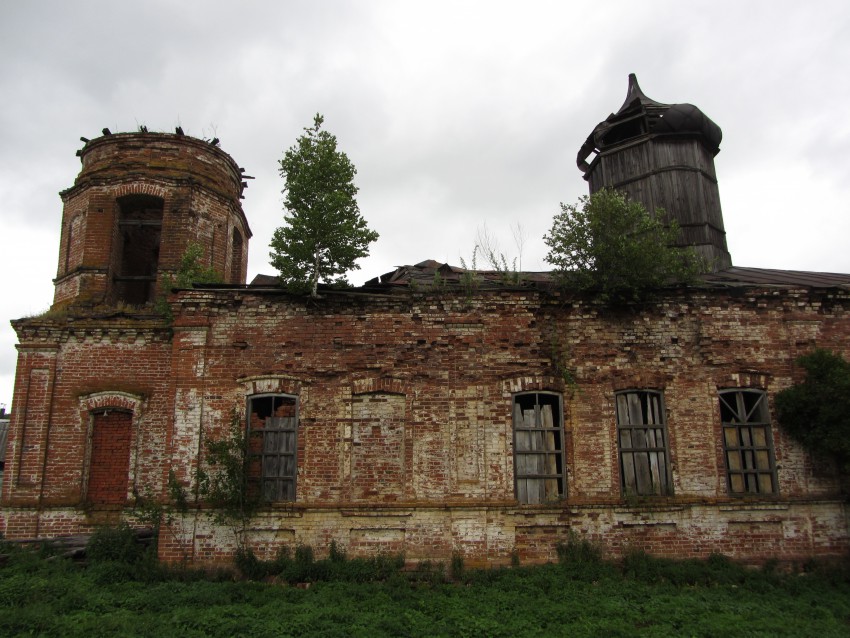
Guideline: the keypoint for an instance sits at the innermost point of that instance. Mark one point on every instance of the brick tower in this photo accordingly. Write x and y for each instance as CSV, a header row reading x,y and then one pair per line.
x,y
138,201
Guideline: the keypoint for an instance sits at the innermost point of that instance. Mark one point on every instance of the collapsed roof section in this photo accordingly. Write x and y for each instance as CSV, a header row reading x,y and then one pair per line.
x,y
431,274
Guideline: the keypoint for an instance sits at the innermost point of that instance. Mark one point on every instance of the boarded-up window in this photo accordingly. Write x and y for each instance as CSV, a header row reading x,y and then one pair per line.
x,y
538,447
747,442
642,439
109,462
273,443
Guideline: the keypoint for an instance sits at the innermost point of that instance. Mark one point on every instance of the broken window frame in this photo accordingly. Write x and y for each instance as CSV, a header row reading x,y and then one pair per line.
x,y
539,451
273,450
747,436
644,460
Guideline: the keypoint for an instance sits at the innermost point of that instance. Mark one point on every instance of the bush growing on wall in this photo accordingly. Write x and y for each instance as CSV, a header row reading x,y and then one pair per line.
x,y
611,246
816,412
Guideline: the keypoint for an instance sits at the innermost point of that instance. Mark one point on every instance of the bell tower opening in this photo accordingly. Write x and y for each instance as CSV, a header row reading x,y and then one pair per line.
x,y
137,241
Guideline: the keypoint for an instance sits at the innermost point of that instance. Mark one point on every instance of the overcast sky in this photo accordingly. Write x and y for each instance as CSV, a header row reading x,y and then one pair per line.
x,y
456,114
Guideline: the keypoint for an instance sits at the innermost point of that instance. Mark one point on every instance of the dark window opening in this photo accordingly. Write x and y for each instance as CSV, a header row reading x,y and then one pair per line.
x,y
236,258
138,239
625,130
642,439
272,445
538,447
747,442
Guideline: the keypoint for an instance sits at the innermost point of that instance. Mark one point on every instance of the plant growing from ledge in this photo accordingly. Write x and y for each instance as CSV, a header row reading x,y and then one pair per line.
x,y
324,234
816,412
225,484
612,246
153,512
190,271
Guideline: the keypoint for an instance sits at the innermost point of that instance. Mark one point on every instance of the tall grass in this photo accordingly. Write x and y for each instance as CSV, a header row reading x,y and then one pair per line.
x,y
581,595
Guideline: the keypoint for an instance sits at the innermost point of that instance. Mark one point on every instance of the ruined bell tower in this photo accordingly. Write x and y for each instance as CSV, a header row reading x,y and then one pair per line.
x,y
138,202
662,155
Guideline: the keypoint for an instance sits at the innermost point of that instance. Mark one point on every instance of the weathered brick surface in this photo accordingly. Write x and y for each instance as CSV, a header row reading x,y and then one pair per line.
x,y
404,401
405,432
200,186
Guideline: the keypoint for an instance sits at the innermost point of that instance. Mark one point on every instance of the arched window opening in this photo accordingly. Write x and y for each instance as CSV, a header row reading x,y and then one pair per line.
x,y
137,250
642,439
747,442
539,447
272,445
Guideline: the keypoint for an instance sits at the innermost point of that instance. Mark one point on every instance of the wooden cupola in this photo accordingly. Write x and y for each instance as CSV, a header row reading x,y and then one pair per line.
x,y
662,155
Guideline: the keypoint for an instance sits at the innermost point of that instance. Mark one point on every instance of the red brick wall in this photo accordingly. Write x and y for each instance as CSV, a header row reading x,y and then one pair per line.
x,y
109,463
200,186
405,432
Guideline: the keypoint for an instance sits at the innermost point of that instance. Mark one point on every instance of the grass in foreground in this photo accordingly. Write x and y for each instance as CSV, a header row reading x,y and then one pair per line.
x,y
581,596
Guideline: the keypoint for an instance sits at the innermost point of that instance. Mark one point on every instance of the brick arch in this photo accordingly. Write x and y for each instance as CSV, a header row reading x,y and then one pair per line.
x,y
273,384
638,380
111,420
528,383
747,379
111,399
374,385
141,188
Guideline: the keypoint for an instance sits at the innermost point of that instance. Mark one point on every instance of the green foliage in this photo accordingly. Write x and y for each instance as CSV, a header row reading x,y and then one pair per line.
x,y
456,566
177,492
613,247
303,566
336,553
816,412
581,560
116,544
469,277
324,234
486,245
190,271
57,598
578,550
559,355
225,485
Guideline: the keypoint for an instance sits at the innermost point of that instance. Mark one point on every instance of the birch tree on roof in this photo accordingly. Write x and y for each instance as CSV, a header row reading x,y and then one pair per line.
x,y
324,233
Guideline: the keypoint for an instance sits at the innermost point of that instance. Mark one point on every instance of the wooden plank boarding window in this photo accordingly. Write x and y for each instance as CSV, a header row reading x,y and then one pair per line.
x,y
642,438
273,443
747,442
538,447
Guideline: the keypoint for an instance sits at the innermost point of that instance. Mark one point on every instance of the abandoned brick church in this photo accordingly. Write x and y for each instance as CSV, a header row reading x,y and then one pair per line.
x,y
492,421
